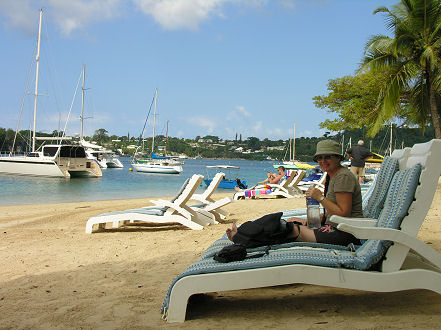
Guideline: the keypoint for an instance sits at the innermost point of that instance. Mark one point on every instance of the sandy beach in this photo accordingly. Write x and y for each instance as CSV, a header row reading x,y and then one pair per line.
x,y
53,275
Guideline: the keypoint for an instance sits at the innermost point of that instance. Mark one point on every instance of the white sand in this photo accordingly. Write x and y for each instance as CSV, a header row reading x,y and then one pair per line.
x,y
53,275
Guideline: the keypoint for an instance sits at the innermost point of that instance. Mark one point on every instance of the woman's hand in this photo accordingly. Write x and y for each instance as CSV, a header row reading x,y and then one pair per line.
x,y
314,193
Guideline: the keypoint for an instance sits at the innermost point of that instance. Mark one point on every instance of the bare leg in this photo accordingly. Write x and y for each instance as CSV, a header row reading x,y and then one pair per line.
x,y
232,231
303,234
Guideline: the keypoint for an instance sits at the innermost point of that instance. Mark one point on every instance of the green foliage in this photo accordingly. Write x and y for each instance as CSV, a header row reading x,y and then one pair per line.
x,y
353,99
100,136
413,58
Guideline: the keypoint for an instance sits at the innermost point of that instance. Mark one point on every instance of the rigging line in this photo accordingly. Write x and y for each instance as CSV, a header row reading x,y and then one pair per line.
x,y
145,123
71,105
24,98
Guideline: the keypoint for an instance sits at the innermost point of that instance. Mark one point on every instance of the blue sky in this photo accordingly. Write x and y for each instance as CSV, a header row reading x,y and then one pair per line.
x,y
221,67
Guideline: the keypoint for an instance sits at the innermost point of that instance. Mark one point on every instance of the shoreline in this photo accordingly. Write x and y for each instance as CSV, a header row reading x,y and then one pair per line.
x,y
53,275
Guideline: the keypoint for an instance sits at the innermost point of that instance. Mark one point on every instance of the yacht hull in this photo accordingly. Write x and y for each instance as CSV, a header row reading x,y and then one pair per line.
x,y
152,168
63,168
114,163
26,166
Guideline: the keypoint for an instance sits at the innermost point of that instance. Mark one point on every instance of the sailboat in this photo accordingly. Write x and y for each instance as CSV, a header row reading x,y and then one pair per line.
x,y
292,163
103,157
156,164
53,160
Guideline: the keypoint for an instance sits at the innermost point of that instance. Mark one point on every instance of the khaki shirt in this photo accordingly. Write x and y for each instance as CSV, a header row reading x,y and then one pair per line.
x,y
343,182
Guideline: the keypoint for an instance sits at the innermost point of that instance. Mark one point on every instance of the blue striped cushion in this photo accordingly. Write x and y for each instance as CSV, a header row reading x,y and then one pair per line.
x,y
373,203
152,210
399,198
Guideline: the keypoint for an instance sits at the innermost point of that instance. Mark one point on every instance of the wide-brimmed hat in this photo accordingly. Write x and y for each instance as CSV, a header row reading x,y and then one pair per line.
x,y
328,147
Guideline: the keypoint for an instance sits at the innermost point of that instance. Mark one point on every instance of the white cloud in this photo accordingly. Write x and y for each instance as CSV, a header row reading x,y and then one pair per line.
x,y
71,15
290,4
258,126
241,109
239,112
74,15
68,15
206,123
18,15
178,14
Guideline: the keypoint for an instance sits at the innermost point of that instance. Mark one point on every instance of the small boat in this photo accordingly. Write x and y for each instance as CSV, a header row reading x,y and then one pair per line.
x,y
376,158
292,164
226,183
104,157
155,164
295,165
157,167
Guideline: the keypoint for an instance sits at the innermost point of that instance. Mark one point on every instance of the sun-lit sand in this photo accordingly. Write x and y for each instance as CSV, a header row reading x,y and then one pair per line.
x,y
53,275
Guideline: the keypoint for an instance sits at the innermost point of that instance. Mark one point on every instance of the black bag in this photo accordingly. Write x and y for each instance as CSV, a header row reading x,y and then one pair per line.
x,y
230,253
267,230
240,184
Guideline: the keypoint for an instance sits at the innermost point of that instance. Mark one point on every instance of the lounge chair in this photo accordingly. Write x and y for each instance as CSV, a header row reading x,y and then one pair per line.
x,y
173,211
383,263
320,184
287,189
208,203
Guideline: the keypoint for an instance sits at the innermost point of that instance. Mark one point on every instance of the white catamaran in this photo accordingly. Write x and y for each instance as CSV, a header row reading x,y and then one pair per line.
x,y
53,160
156,164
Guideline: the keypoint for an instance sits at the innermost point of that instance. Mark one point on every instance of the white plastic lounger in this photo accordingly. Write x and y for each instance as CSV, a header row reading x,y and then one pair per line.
x,y
174,211
320,184
285,189
208,203
383,263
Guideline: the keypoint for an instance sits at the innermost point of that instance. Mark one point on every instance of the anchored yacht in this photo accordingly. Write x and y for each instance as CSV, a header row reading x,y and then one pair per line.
x,y
53,160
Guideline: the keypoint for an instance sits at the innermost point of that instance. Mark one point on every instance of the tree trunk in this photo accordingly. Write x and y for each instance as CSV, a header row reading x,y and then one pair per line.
x,y
433,109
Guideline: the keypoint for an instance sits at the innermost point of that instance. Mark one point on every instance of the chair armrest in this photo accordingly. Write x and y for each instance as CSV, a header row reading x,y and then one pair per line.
x,y
396,236
177,208
221,202
356,222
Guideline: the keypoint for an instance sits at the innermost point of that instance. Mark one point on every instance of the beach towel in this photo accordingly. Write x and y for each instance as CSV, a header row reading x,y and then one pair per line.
x,y
257,192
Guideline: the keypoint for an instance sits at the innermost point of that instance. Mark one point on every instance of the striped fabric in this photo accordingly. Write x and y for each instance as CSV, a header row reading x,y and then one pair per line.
x,y
399,197
373,201
257,192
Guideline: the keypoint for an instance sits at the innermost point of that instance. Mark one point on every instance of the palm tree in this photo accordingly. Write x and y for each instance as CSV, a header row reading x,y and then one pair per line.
x,y
413,58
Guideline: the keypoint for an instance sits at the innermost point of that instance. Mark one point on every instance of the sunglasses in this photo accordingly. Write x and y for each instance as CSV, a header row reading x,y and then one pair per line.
x,y
325,157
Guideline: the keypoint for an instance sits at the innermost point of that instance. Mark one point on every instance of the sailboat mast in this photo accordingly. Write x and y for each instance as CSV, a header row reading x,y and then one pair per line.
x,y
294,143
82,103
390,145
154,120
37,59
343,145
166,139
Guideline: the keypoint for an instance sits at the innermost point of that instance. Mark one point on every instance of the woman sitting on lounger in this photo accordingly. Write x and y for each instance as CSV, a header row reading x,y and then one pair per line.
x,y
342,197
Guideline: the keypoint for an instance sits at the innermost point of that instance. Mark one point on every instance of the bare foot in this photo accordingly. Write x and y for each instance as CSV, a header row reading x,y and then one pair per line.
x,y
237,188
231,231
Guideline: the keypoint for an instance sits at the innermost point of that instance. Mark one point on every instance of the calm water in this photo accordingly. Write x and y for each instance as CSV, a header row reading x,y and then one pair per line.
x,y
119,183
